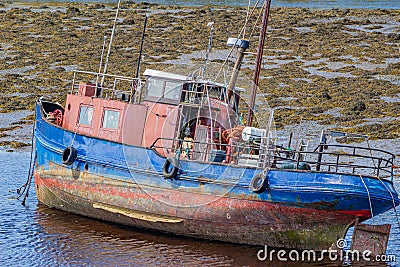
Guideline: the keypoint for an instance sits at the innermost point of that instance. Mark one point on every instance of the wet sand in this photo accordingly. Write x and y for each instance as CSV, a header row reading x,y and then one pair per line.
x,y
339,68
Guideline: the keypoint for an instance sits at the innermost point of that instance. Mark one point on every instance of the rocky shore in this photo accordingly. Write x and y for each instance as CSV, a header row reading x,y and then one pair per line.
x,y
339,68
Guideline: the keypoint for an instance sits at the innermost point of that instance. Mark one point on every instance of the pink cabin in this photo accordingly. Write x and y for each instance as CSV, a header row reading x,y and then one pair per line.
x,y
160,112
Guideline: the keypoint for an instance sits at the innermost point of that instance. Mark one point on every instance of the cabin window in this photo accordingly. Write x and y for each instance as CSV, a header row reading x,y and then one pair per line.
x,y
111,119
85,115
159,90
172,90
155,88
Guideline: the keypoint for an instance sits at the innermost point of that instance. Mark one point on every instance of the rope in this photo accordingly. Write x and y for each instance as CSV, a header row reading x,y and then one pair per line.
x,y
391,195
247,17
255,24
266,171
156,114
240,33
32,162
394,204
29,181
369,198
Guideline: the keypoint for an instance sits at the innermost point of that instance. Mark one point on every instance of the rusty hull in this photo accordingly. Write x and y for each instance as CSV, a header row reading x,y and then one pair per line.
x,y
226,219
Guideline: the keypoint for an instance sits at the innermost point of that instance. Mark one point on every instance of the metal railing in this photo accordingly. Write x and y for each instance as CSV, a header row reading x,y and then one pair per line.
x,y
238,154
109,86
340,159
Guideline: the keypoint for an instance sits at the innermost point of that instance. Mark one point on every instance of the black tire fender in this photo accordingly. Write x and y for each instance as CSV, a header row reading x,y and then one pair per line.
x,y
259,183
69,155
169,172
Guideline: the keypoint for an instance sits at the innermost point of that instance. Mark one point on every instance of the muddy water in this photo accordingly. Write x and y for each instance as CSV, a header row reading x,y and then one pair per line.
x,y
39,236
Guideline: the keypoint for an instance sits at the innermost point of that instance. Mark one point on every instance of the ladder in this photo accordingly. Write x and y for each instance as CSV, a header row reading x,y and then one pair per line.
x,y
263,156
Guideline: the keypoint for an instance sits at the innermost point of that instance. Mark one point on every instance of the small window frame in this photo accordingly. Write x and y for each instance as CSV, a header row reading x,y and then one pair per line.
x,y
103,120
88,107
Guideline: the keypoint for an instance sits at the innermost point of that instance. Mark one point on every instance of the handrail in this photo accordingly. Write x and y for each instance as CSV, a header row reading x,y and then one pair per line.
x,y
356,147
105,75
131,85
330,161
385,160
337,164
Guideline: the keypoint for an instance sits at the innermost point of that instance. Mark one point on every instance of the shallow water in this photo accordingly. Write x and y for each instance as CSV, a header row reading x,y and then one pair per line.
x,y
35,235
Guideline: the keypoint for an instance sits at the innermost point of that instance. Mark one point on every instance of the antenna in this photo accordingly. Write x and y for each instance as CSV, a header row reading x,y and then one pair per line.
x,y
101,59
209,25
111,41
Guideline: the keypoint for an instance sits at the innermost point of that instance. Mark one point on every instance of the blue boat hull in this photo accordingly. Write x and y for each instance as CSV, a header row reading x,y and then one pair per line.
x,y
124,184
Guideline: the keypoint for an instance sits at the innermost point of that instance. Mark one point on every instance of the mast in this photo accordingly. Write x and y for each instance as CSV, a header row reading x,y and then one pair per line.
x,y
241,45
141,47
260,50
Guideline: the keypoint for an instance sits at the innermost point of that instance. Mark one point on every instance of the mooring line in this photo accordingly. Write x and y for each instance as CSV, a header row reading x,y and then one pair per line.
x,y
369,199
29,180
394,204
25,187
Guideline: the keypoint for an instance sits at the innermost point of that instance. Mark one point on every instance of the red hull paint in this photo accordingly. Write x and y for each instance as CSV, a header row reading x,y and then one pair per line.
x,y
226,218
362,214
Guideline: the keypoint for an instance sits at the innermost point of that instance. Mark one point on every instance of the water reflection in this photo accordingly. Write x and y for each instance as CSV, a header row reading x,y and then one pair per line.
x,y
36,235
67,239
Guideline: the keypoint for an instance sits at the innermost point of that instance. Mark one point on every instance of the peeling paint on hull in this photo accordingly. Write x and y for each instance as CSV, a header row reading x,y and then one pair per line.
x,y
230,220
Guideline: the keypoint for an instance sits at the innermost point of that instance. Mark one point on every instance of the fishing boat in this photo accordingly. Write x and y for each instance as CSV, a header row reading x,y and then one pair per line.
x,y
170,152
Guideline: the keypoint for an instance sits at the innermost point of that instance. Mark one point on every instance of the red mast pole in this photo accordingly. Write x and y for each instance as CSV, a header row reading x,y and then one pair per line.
x,y
261,42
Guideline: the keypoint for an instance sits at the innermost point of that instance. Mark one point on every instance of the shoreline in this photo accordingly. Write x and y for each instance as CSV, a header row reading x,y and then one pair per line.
x,y
339,68
338,4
